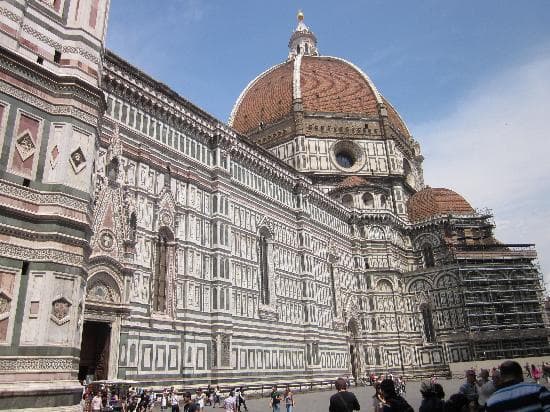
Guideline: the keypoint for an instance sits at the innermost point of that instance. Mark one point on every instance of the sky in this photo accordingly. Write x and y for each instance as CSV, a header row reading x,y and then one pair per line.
x,y
470,78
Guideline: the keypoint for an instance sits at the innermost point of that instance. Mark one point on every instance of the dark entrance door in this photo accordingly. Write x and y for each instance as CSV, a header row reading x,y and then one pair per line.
x,y
353,359
94,352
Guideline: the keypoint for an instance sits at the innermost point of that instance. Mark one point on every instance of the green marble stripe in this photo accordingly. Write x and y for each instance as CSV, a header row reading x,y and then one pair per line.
x,y
20,309
41,226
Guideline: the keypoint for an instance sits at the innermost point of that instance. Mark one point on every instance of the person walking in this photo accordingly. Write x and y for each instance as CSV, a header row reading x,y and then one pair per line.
x,y
241,401
432,397
470,387
342,400
230,403
392,401
164,400
536,373
174,401
289,399
189,405
217,397
275,399
514,394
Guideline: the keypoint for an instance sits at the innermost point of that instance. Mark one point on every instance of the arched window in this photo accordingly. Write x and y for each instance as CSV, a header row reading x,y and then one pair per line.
x,y
162,256
264,246
214,298
428,256
427,320
333,287
133,226
368,200
383,202
347,200
112,170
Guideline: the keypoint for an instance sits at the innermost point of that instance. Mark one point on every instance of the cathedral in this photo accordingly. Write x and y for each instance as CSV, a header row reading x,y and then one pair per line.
x,y
142,239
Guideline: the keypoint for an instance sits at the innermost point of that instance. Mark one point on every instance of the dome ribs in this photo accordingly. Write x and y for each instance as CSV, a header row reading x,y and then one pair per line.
x,y
268,100
334,86
431,202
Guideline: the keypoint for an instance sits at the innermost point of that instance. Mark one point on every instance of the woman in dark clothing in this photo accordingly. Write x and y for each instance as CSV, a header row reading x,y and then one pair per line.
x,y
432,397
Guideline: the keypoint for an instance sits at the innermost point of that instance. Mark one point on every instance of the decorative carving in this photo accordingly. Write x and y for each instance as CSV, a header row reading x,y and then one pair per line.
x,y
40,255
106,240
60,311
25,145
77,160
38,364
101,292
226,350
54,156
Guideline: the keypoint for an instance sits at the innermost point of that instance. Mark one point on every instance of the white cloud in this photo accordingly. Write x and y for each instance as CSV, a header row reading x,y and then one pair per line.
x,y
494,149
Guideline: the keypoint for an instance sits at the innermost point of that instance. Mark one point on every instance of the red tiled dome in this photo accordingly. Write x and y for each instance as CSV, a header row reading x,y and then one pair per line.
x,y
325,85
431,202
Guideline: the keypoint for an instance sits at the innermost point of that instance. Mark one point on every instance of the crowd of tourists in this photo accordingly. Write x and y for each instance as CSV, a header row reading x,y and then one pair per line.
x,y
503,390
497,389
105,399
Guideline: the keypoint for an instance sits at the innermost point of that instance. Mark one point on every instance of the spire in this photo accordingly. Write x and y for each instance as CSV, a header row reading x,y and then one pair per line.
x,y
302,41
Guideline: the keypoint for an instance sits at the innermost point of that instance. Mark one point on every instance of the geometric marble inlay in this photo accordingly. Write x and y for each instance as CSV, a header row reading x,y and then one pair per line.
x,y
25,145
60,310
77,160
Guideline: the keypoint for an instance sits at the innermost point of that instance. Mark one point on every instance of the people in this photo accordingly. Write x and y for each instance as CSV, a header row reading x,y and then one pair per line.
x,y
432,397
164,400
470,388
392,401
189,405
515,394
458,402
486,387
96,402
289,399
241,401
230,403
200,399
217,397
377,401
174,401
275,399
536,373
342,400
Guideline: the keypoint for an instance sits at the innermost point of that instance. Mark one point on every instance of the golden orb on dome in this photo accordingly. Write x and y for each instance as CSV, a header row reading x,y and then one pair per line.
x,y
300,15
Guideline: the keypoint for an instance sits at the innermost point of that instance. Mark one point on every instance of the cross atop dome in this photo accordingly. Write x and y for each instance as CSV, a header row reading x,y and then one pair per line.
x,y
303,41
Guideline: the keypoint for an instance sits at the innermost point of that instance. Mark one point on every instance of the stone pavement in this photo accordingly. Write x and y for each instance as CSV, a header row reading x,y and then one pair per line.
x,y
317,401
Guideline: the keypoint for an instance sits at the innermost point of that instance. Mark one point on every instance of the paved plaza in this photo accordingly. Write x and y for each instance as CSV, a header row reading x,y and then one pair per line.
x,y
318,401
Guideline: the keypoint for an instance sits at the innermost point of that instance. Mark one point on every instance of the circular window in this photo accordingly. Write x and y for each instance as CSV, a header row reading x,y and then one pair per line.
x,y
345,159
347,156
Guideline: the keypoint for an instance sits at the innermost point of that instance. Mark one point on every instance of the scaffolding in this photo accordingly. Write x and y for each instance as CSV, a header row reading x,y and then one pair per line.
x,y
503,295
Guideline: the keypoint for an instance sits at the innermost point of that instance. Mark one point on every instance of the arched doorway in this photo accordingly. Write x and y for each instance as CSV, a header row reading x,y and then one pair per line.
x,y
101,326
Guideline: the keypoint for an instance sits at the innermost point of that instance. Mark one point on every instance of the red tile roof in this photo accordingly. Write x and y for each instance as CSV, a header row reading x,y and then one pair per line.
x,y
267,100
431,202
